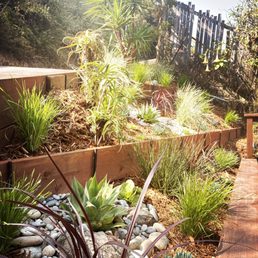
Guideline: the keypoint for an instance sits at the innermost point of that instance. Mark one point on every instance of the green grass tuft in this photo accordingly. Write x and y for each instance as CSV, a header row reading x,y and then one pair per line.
x,y
33,114
200,201
192,107
225,159
231,118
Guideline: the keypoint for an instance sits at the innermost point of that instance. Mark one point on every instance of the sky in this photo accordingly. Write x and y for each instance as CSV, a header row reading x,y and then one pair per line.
x,y
215,6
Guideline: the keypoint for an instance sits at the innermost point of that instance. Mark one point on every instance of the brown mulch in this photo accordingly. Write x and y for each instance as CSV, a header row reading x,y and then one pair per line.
x,y
166,209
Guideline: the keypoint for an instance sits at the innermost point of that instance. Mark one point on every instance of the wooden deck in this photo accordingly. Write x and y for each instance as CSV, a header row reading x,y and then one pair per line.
x,y
13,72
240,234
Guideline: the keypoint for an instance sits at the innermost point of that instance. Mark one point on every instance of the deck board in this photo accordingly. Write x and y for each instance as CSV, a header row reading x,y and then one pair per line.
x,y
13,72
240,233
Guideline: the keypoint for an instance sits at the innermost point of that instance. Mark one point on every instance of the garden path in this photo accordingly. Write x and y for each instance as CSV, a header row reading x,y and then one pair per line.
x,y
241,224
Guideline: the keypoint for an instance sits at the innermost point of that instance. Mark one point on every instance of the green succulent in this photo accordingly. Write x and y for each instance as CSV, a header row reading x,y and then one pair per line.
x,y
98,199
129,192
148,113
183,255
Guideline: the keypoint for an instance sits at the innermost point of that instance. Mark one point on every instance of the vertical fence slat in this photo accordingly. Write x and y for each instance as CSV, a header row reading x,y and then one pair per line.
x,y
206,27
191,29
202,33
198,33
214,26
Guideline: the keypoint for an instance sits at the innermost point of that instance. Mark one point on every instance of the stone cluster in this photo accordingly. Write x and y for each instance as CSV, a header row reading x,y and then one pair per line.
x,y
146,230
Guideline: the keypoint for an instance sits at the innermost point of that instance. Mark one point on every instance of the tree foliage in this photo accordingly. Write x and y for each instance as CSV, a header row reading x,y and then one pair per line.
x,y
33,30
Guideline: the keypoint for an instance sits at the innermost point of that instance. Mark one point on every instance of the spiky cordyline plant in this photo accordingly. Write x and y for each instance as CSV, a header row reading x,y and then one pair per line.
x,y
79,247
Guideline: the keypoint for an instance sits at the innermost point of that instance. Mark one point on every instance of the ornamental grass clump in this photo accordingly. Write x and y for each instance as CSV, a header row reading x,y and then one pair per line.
x,y
13,213
98,200
165,78
231,118
179,159
33,115
140,72
200,200
225,159
192,107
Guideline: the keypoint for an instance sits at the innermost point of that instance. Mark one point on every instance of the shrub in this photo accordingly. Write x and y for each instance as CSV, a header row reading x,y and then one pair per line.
x,y
183,80
231,117
11,212
201,200
129,192
140,72
98,200
225,159
192,106
148,113
179,159
33,114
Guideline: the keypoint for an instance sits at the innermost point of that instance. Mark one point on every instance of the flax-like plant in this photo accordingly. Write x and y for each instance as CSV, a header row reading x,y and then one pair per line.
x,y
192,107
33,115
179,159
201,200
11,212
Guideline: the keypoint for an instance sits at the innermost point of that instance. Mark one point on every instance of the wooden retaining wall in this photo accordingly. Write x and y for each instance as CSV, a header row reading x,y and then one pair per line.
x,y
116,162
44,79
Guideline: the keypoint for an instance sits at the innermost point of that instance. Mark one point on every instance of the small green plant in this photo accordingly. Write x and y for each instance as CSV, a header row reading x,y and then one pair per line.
x,y
33,114
183,255
11,212
183,80
148,113
225,159
129,192
201,200
140,72
192,107
231,117
179,159
165,78
98,200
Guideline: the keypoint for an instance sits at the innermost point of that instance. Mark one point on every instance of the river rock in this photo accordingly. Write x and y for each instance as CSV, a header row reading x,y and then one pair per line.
x,y
135,243
150,230
107,251
136,254
144,217
162,243
25,241
159,227
38,223
122,233
48,251
34,214
145,244
32,251
28,231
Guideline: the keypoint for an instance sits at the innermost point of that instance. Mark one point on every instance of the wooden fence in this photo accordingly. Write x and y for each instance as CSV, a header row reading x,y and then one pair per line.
x,y
194,33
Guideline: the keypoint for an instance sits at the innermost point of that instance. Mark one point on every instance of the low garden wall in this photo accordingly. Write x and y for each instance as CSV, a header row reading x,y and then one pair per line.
x,y
116,162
